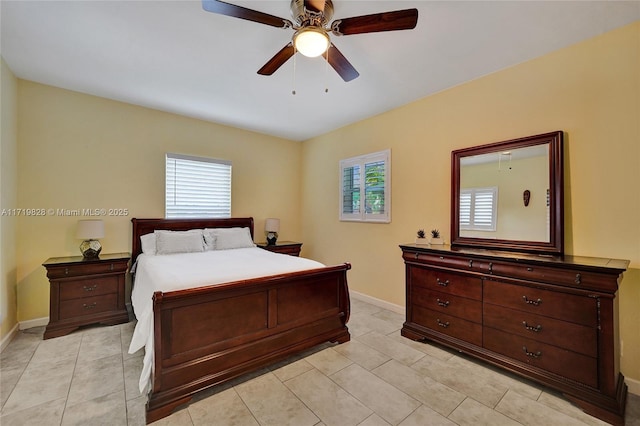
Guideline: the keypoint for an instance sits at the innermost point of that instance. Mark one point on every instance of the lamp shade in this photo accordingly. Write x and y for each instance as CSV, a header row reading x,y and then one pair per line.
x,y
90,229
272,225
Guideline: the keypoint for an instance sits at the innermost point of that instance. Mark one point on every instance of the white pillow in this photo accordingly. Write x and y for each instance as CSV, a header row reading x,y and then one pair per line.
x,y
170,242
209,240
231,238
148,243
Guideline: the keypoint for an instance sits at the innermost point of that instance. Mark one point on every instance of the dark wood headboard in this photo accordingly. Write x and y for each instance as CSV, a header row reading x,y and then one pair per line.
x,y
146,226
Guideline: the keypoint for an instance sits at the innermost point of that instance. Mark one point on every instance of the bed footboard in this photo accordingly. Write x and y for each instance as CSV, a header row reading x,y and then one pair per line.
x,y
209,335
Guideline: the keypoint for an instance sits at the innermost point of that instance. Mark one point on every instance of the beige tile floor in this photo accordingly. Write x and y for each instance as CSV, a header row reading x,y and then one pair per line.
x,y
378,378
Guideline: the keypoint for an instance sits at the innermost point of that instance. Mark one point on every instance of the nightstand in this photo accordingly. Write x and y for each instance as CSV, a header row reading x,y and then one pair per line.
x,y
285,247
86,291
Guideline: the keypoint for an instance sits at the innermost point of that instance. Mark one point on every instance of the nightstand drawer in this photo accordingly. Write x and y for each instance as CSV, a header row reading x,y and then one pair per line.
x,y
88,287
88,306
89,268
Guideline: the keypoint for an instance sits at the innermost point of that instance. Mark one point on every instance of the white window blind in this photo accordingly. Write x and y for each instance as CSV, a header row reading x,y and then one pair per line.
x,y
478,208
365,188
197,187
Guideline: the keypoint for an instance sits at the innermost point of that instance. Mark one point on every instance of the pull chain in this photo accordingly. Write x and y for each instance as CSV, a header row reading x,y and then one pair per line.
x,y
293,92
326,73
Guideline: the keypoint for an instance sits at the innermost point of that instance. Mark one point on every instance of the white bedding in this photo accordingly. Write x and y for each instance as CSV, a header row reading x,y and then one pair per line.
x,y
188,270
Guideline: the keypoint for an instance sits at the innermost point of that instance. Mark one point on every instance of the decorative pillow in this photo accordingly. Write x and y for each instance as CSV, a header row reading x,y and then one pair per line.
x,y
231,238
170,242
148,243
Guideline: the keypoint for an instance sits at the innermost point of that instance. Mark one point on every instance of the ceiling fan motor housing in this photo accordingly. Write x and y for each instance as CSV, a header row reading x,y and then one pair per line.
x,y
304,16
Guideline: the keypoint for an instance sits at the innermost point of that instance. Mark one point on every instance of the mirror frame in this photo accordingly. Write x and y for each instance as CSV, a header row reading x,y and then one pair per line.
x,y
555,245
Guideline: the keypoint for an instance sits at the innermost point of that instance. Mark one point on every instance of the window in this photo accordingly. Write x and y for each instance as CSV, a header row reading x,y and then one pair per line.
x,y
478,208
365,188
197,187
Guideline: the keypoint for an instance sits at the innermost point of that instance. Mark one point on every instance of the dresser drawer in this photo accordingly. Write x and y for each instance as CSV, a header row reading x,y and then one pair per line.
x,y
460,307
562,306
88,287
438,260
567,335
448,324
565,277
88,306
447,282
578,367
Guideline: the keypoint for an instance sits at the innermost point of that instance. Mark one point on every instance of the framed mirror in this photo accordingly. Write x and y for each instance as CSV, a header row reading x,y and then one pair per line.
x,y
509,195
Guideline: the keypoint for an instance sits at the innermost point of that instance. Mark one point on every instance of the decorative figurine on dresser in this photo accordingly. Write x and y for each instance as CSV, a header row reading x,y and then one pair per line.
x,y
505,292
86,291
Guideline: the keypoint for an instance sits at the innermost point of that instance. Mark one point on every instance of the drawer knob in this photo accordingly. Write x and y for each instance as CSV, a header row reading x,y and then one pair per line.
x,y
470,263
528,301
91,306
442,324
531,354
536,329
111,267
490,267
442,283
578,279
90,288
66,271
443,304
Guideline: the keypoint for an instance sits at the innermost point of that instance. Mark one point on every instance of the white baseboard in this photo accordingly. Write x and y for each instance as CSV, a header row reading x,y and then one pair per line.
x,y
633,385
8,338
38,322
377,302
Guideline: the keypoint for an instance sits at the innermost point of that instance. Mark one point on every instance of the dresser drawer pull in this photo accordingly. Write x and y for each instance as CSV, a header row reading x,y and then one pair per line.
x,y
536,329
470,263
90,288
443,304
531,302
442,283
578,279
442,324
490,267
91,306
66,271
531,354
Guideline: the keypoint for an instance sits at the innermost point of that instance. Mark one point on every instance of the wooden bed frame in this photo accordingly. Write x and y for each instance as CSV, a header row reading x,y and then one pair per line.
x,y
208,335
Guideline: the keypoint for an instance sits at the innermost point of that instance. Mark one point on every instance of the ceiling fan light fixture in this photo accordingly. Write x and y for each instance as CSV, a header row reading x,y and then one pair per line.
x,y
311,41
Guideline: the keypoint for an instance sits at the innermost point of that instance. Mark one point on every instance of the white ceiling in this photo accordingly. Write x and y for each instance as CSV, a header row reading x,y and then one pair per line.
x,y
174,56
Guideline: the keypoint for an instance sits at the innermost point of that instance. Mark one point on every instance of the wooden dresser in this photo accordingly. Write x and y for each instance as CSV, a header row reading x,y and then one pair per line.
x,y
552,319
86,291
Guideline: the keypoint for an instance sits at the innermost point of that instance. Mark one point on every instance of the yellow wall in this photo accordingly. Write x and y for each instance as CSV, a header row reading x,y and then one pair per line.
x,y
78,151
8,197
590,90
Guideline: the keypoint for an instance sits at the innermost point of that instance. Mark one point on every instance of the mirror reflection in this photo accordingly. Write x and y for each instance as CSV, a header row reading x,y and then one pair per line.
x,y
505,195
509,195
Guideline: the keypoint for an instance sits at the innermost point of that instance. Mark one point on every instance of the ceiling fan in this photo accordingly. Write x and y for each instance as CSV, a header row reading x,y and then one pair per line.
x,y
311,25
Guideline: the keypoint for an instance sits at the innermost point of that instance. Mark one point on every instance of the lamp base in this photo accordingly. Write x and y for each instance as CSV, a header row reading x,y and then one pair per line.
x,y
272,237
90,249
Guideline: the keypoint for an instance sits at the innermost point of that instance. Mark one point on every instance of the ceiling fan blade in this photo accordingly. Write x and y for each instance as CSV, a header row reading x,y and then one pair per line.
x,y
339,63
278,60
223,8
314,5
386,21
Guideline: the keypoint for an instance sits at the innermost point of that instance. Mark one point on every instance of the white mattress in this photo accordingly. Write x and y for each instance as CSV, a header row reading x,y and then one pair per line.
x,y
187,270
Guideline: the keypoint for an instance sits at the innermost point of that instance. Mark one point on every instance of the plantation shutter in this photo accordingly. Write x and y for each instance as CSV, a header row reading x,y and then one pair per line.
x,y
478,208
197,187
365,188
